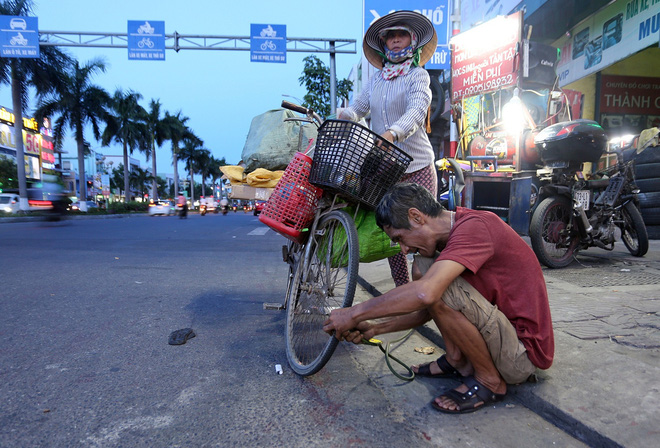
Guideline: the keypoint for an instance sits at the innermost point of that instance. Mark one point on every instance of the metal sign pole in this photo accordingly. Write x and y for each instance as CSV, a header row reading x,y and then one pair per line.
x,y
333,79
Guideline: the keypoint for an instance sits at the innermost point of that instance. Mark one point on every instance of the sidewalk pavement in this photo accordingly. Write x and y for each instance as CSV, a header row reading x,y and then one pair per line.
x,y
604,385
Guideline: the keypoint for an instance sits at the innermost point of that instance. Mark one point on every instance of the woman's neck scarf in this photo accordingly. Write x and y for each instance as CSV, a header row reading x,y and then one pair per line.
x,y
399,63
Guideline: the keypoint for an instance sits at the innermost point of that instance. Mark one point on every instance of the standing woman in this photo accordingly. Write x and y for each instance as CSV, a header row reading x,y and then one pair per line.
x,y
398,98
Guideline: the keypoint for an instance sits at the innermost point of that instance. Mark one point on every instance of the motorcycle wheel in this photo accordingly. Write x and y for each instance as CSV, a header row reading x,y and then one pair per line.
x,y
633,231
553,233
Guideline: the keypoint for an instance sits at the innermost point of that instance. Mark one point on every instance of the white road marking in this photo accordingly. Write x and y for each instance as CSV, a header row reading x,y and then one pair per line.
x,y
259,231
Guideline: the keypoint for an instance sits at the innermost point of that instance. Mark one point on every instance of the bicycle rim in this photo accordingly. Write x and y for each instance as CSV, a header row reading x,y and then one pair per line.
x,y
321,284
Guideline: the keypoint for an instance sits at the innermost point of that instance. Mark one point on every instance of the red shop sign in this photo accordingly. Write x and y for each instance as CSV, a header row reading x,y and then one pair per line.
x,y
629,95
484,58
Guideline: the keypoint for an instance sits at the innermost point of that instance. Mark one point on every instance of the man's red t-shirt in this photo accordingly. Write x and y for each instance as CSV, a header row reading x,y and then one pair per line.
x,y
504,269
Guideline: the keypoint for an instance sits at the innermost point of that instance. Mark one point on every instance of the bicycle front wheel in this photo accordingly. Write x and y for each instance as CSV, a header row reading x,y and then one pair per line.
x,y
324,280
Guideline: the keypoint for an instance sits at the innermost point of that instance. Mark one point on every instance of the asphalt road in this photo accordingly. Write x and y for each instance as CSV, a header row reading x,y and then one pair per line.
x,y
86,309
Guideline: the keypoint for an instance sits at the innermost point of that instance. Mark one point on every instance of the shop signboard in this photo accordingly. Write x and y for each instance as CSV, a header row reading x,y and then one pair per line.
x,y
485,58
629,102
105,184
47,158
610,35
437,12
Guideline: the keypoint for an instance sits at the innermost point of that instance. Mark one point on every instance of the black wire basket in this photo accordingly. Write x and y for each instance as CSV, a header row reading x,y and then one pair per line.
x,y
356,163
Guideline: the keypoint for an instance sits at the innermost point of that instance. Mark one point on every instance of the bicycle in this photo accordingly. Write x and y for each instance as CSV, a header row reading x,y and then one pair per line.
x,y
351,166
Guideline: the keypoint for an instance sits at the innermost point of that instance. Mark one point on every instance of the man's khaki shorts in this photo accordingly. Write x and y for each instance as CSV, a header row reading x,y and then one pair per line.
x,y
508,353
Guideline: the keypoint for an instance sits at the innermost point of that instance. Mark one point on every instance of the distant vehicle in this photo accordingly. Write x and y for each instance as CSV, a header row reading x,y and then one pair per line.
x,y
91,205
258,207
9,203
47,196
211,205
18,39
165,208
17,23
146,28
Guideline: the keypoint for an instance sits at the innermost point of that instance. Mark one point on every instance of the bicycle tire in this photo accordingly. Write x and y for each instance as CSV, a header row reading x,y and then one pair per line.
x,y
320,284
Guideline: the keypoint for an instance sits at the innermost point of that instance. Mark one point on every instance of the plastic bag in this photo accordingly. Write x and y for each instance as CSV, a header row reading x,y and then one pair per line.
x,y
272,142
374,242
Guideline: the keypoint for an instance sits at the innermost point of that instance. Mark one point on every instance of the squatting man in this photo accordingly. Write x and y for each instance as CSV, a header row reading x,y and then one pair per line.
x,y
480,283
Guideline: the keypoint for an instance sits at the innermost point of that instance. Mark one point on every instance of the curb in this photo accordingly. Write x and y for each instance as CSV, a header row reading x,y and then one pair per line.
x,y
43,218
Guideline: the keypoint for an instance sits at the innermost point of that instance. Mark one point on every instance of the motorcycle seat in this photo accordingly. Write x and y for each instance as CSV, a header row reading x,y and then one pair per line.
x,y
598,183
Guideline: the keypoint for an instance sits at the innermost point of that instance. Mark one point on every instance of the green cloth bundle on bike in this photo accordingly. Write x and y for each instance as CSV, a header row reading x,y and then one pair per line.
x,y
374,243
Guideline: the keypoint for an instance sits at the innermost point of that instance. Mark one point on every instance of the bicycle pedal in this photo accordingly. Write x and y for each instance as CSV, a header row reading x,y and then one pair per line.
x,y
273,306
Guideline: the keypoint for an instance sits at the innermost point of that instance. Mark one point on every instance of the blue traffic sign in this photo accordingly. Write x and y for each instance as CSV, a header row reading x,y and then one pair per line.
x,y
267,43
146,40
19,37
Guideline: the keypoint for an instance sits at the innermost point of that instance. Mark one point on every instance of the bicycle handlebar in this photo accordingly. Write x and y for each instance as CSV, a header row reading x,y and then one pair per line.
x,y
309,113
295,107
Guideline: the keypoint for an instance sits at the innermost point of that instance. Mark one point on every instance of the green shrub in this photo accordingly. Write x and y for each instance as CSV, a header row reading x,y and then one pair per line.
x,y
129,207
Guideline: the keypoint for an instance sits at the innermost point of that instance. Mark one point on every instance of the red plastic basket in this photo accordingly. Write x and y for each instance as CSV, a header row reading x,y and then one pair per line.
x,y
290,208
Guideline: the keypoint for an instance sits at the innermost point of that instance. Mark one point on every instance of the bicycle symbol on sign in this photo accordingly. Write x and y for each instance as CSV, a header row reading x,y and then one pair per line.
x,y
268,45
145,42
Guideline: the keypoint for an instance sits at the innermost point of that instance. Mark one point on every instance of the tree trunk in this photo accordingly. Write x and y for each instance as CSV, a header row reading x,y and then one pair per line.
x,y
175,163
192,187
154,184
127,185
81,176
17,104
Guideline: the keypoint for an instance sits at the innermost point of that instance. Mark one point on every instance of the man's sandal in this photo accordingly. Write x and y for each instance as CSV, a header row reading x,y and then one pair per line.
x,y
448,371
467,401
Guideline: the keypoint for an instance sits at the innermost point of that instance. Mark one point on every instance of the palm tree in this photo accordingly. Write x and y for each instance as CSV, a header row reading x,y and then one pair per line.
x,y
187,153
214,170
127,127
158,132
202,164
117,178
139,178
77,102
176,131
43,73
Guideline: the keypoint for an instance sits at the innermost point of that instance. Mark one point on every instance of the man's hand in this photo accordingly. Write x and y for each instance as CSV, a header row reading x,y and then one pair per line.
x,y
364,330
341,322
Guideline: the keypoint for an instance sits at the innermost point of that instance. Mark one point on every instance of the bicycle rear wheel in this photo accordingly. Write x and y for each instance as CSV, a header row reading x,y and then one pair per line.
x,y
325,279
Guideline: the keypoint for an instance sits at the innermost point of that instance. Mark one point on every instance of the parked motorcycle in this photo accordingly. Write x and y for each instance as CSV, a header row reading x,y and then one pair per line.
x,y
575,211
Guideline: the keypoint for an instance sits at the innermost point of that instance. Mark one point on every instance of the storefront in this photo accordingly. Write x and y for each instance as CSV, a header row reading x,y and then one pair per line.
x,y
613,58
31,143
